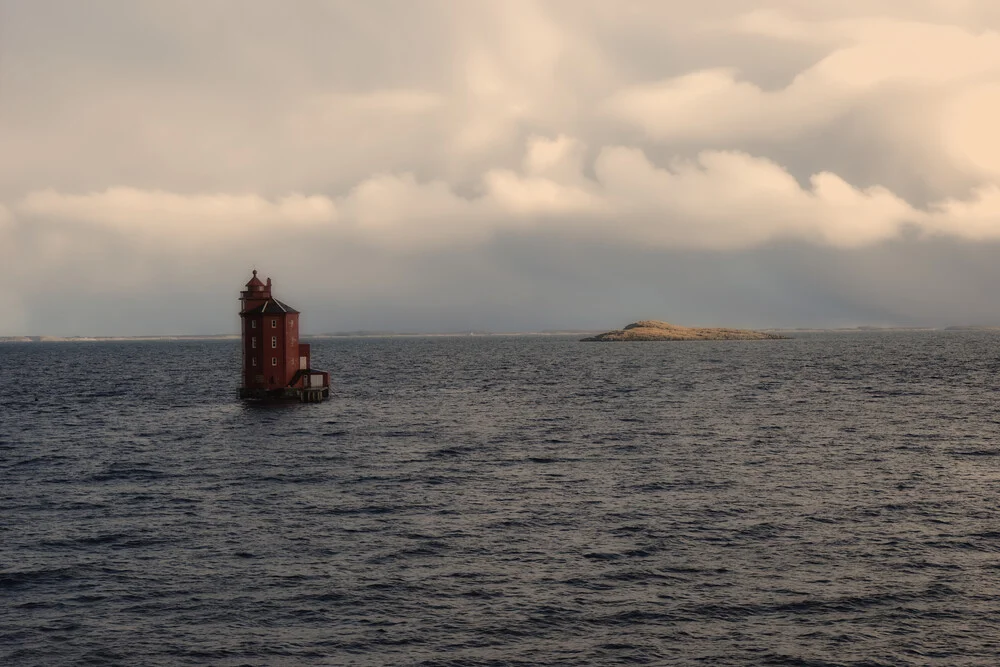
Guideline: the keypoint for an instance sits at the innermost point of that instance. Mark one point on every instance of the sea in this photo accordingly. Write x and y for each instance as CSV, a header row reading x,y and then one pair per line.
x,y
832,499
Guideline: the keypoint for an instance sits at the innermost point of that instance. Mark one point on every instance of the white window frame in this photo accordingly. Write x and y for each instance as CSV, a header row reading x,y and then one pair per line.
x,y
274,324
274,342
253,324
253,361
253,342
274,361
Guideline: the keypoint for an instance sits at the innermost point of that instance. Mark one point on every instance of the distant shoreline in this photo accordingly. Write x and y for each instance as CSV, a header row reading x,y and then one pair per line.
x,y
323,336
659,331
111,339
461,334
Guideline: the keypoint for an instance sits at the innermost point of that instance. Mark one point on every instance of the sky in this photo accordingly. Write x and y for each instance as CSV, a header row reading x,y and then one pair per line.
x,y
511,165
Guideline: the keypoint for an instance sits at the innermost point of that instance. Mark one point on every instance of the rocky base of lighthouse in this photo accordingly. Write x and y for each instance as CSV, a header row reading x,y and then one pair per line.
x,y
287,394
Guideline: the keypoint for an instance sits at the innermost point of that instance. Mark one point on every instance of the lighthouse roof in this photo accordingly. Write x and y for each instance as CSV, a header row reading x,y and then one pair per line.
x,y
255,281
270,307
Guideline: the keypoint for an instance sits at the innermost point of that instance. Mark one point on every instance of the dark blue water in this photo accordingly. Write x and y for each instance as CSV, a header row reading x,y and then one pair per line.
x,y
829,500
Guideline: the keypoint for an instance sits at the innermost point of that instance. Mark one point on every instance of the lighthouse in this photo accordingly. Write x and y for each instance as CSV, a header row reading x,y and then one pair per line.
x,y
276,366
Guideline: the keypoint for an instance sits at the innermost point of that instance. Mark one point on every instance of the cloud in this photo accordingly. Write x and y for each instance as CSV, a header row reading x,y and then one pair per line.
x,y
383,151
976,219
718,200
732,200
715,105
6,219
904,103
171,218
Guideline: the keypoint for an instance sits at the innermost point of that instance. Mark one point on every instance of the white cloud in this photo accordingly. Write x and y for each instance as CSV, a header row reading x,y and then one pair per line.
x,y
926,93
434,129
732,200
976,218
552,183
778,25
715,106
971,130
134,211
720,200
908,53
402,214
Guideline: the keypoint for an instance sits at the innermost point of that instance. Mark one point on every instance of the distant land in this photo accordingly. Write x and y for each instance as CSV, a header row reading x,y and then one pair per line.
x,y
973,327
86,339
337,334
771,333
385,334
654,330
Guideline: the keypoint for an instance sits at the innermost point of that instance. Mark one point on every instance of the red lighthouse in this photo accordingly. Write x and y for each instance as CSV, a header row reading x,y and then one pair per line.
x,y
275,364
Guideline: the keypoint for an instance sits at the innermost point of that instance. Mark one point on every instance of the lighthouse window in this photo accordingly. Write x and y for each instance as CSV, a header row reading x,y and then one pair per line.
x,y
253,362
253,324
253,341
274,323
274,342
274,361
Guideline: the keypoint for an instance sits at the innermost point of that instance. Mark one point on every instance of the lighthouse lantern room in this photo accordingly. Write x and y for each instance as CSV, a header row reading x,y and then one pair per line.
x,y
276,366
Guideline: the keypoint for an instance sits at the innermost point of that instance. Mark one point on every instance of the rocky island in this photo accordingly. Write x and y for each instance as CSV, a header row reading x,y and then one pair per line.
x,y
655,330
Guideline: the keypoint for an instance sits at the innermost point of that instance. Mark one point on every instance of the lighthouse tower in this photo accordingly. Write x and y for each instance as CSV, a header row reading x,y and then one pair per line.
x,y
275,364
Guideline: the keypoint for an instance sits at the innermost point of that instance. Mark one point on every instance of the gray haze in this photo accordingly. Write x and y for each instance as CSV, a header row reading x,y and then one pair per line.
x,y
506,166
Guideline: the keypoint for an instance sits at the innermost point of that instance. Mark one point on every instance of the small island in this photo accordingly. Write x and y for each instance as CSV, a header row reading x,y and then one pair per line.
x,y
654,330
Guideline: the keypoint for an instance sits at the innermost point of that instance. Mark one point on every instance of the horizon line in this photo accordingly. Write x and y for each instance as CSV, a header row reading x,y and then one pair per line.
x,y
362,333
